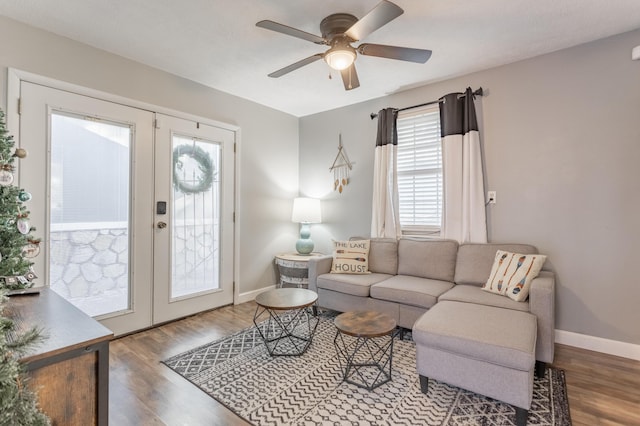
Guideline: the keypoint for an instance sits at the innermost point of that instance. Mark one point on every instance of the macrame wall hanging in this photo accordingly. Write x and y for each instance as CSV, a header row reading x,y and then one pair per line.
x,y
341,167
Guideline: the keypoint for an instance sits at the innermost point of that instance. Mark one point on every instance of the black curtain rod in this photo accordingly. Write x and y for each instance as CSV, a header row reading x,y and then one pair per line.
x,y
476,93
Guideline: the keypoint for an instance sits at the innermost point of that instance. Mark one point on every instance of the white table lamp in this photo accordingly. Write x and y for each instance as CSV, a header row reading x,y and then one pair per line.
x,y
305,211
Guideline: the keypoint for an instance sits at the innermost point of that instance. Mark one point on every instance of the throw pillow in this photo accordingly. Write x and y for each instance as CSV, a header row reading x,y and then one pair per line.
x,y
351,257
512,273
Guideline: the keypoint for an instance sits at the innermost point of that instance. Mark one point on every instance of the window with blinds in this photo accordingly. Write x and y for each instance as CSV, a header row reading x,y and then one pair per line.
x,y
420,170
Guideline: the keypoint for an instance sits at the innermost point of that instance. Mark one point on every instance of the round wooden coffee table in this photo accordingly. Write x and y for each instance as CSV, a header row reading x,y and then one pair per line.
x,y
285,320
364,343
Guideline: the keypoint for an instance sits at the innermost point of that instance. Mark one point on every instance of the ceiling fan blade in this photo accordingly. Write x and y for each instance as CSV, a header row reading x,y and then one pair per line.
x,y
294,32
379,16
350,78
394,52
296,65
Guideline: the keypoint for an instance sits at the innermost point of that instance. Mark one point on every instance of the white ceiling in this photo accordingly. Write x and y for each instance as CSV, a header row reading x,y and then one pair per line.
x,y
216,42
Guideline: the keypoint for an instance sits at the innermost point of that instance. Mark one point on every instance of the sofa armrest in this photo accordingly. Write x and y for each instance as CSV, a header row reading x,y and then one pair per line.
x,y
317,266
542,305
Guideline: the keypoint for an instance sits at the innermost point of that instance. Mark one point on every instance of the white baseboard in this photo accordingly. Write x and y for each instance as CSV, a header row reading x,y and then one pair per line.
x,y
598,344
251,295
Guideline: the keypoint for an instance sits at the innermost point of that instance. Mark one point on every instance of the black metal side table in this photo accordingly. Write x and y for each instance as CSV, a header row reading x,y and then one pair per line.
x,y
290,323
364,343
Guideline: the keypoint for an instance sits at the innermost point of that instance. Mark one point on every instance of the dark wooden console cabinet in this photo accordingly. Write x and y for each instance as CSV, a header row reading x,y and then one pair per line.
x,y
69,369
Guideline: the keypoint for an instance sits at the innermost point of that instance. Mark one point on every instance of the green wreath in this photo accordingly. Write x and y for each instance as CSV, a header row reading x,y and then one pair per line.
x,y
205,165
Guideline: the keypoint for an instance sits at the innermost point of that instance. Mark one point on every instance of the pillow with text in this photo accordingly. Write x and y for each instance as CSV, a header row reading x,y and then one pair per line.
x,y
351,257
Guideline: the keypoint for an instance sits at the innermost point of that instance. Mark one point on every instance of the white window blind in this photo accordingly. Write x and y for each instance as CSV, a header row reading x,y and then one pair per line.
x,y
420,170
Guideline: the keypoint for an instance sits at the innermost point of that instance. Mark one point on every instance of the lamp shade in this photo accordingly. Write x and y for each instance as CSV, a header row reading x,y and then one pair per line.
x,y
306,210
340,58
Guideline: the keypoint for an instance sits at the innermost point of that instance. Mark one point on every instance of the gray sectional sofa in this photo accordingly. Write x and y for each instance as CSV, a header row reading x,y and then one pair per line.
x,y
408,277
465,336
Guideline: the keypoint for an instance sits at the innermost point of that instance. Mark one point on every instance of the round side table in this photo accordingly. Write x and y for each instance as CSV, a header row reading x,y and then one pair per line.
x,y
289,325
364,344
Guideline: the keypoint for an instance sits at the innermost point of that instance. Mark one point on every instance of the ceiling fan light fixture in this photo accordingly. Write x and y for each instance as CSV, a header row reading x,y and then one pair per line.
x,y
340,57
339,31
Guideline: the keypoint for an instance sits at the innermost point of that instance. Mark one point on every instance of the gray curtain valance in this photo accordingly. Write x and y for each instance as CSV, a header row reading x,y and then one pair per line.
x,y
458,114
387,133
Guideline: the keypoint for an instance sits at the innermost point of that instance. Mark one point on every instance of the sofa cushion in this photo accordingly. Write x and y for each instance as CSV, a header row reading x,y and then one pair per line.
x,y
475,294
474,261
435,259
512,273
383,256
350,257
498,336
355,284
408,290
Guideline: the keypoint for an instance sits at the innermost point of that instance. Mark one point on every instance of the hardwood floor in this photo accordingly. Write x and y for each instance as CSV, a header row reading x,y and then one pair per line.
x,y
603,389
142,391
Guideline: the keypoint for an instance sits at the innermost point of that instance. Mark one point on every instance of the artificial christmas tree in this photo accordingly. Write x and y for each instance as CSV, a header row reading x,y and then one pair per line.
x,y
18,405
17,245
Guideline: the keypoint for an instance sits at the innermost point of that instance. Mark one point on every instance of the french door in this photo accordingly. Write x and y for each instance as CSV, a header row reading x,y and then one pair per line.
x,y
193,250
134,208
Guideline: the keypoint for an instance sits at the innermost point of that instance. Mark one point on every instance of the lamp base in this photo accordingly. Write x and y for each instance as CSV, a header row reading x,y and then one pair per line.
x,y
304,245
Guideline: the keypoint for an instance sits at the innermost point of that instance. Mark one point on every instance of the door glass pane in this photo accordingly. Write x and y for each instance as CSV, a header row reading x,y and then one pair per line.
x,y
196,213
89,234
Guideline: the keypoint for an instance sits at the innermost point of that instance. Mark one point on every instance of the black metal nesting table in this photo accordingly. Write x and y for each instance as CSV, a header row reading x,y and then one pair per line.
x,y
290,322
364,343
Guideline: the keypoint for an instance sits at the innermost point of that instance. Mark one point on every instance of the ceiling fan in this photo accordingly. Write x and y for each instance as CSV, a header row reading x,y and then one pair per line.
x,y
338,31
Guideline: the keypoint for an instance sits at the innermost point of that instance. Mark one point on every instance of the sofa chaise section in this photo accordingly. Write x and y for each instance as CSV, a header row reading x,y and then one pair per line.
x,y
473,266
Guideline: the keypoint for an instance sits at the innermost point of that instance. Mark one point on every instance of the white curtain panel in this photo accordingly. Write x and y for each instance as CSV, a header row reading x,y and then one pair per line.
x,y
464,217
385,214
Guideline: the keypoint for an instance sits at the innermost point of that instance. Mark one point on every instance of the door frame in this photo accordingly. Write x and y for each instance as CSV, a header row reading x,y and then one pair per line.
x,y
15,76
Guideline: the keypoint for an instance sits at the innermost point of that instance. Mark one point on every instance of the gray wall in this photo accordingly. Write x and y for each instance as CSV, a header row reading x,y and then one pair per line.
x,y
269,138
562,146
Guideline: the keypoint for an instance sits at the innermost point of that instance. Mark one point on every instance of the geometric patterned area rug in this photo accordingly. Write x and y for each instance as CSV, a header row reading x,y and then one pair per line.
x,y
308,390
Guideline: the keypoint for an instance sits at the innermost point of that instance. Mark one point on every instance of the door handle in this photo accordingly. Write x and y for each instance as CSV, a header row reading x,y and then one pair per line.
x,y
162,225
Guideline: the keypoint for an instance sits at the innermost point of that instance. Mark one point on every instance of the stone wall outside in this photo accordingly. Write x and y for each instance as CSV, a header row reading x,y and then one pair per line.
x,y
89,267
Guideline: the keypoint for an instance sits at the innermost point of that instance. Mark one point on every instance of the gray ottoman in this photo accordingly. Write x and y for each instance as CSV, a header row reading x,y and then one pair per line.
x,y
484,349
